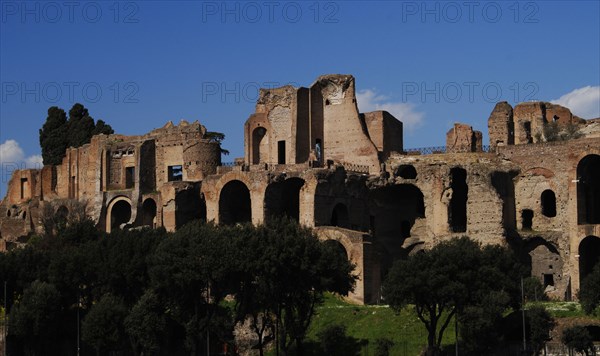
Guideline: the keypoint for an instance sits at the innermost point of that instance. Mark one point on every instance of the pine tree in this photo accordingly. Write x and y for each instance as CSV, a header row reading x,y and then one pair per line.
x,y
58,133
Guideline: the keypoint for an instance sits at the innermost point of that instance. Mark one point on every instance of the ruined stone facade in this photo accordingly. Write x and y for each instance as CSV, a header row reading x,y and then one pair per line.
x,y
310,155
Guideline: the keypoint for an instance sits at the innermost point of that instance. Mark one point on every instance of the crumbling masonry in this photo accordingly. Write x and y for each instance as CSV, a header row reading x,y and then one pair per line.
x,y
311,156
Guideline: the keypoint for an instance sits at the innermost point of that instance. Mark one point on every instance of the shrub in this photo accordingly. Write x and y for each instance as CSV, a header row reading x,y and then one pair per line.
x,y
579,339
383,346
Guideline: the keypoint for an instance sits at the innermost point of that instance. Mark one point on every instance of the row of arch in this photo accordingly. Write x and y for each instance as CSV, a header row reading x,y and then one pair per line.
x,y
282,199
189,206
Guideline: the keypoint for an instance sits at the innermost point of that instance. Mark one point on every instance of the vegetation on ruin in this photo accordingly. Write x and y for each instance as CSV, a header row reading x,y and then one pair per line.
x,y
552,131
59,133
217,137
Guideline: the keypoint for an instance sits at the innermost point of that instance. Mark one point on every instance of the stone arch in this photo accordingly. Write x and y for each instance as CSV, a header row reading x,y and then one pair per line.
x,y
545,261
588,190
235,204
260,145
396,209
283,199
339,216
398,219
118,212
358,248
189,206
61,215
589,255
406,171
62,210
548,201
149,213
338,246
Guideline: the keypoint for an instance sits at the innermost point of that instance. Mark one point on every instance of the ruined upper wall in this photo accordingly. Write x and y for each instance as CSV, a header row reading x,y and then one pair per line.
x,y
277,133
345,138
501,125
321,123
385,131
526,122
109,166
462,138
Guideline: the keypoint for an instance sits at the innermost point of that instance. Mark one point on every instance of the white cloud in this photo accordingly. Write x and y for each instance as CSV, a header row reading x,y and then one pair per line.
x,y
369,100
12,157
583,102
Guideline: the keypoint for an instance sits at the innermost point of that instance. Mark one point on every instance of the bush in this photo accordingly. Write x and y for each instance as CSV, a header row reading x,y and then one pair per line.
x,y
533,289
540,324
578,338
383,346
334,341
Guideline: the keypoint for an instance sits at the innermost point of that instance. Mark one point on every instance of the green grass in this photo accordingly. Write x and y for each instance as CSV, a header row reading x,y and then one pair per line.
x,y
372,322
561,309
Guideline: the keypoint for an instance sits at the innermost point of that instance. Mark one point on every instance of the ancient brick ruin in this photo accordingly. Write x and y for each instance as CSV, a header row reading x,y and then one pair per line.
x,y
310,155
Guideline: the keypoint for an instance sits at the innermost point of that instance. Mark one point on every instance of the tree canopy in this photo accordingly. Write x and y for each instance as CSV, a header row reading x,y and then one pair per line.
x,y
58,133
456,276
153,292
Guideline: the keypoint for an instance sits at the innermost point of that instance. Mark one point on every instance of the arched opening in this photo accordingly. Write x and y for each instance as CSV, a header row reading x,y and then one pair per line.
x,y
61,216
398,213
189,206
548,203
337,247
406,171
545,262
339,216
588,190
149,213
589,255
457,209
234,203
119,214
526,219
283,199
258,141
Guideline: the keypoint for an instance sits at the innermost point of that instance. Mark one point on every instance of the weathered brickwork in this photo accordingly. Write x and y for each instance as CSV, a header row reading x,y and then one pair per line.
x,y
311,156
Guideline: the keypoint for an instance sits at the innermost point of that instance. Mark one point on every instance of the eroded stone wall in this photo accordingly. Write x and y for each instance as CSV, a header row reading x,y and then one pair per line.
x,y
359,189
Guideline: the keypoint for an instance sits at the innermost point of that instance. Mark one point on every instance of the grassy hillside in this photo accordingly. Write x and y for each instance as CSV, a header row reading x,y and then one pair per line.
x,y
369,323
365,324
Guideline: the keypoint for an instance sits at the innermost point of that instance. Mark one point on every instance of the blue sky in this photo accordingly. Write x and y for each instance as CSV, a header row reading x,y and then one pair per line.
x,y
137,65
